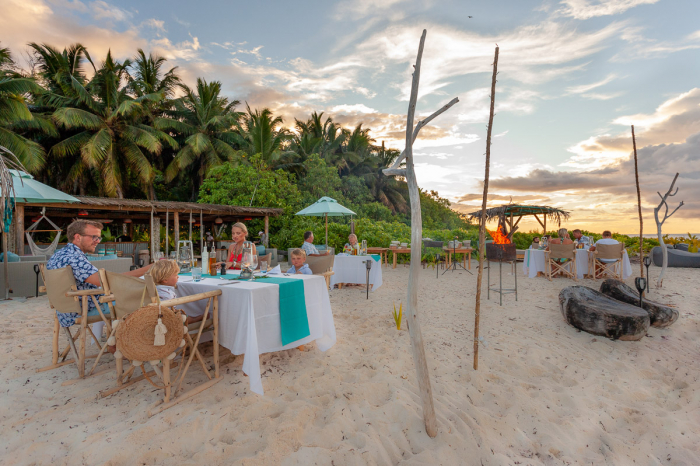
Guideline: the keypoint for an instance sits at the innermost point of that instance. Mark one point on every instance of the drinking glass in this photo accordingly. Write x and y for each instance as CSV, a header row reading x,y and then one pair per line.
x,y
254,261
263,266
196,274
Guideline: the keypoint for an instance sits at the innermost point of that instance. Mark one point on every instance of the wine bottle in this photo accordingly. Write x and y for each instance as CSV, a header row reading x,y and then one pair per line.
x,y
205,260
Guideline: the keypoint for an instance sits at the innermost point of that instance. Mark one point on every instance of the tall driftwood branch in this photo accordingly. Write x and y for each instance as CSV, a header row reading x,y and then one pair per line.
x,y
639,205
426,392
482,221
659,224
419,126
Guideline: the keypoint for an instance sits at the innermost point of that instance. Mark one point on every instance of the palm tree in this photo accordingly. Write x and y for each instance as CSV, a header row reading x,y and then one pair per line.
x,y
259,132
147,77
111,136
205,120
15,116
387,189
61,73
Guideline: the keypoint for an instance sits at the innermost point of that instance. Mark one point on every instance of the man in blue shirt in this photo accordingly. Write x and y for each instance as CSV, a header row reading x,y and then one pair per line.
x,y
83,237
299,265
309,247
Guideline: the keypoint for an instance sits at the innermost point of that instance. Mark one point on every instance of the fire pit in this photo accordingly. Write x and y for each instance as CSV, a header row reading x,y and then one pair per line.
x,y
501,250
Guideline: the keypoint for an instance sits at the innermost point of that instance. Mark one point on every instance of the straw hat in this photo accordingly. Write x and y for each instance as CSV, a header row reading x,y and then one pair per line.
x,y
135,335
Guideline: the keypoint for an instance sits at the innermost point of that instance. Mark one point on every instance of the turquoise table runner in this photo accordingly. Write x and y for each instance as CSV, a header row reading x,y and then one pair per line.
x,y
376,257
293,320
204,275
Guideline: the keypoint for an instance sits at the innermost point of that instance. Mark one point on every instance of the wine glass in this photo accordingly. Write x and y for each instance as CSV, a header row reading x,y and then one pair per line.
x,y
254,261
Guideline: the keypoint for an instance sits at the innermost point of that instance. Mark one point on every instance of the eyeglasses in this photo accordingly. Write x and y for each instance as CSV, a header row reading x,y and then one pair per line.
x,y
95,238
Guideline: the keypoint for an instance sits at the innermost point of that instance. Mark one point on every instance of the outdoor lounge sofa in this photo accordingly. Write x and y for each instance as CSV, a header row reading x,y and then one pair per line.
x,y
676,257
23,279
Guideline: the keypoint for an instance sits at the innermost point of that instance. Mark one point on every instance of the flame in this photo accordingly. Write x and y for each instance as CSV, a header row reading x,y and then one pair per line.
x,y
498,236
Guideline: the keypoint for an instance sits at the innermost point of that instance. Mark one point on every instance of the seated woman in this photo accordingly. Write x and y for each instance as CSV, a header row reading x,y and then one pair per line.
x,y
239,232
352,246
563,237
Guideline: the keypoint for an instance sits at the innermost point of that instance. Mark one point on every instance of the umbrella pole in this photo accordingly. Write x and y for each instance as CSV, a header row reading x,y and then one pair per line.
x,y
326,230
4,260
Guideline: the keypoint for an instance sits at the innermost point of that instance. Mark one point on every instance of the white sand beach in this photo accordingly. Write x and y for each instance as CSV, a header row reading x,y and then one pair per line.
x,y
544,393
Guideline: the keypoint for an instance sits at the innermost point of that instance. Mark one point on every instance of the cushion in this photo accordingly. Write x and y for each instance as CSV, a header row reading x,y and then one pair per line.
x,y
102,258
261,250
11,257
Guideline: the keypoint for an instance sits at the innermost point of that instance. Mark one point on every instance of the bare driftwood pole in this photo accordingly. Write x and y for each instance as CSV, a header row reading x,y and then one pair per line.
x,y
639,204
419,360
659,224
482,221
8,161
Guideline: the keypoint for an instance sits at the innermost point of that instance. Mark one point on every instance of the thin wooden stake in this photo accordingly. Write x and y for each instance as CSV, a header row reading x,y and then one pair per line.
x,y
482,222
639,204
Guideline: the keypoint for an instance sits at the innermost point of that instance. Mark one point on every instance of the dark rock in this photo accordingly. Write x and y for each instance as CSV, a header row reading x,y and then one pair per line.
x,y
660,315
598,314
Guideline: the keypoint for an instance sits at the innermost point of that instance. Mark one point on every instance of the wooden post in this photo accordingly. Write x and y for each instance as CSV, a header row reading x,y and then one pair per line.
x,y
167,225
326,230
19,214
201,234
482,222
639,204
267,231
176,228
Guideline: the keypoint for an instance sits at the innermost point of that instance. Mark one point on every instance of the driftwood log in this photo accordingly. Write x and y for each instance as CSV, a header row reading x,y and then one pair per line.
x,y
598,314
660,315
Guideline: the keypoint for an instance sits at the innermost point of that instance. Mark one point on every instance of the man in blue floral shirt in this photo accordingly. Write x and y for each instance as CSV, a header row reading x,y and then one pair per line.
x,y
84,236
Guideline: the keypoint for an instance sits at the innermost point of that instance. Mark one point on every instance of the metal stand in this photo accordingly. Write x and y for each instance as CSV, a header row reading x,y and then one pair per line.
x,y
368,262
455,262
501,291
37,271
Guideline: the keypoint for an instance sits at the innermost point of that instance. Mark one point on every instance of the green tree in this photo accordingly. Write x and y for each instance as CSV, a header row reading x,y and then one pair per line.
x,y
16,120
204,121
111,136
259,132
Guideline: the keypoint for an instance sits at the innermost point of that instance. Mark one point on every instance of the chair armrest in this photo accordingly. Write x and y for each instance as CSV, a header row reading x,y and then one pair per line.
x,y
191,298
108,298
42,289
85,292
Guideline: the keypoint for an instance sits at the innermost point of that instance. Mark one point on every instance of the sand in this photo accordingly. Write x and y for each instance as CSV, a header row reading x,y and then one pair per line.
x,y
544,393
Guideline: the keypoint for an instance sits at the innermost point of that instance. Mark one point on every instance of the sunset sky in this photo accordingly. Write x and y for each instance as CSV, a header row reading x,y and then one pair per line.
x,y
574,75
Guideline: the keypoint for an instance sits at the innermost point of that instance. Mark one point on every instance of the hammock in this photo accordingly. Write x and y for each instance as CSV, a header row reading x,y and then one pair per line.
x,y
36,250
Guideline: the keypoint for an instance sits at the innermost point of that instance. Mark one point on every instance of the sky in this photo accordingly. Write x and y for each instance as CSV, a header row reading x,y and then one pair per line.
x,y
573,76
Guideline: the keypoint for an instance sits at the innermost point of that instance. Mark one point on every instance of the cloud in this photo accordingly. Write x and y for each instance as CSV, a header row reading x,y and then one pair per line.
x,y
359,9
23,21
641,47
104,11
586,9
581,89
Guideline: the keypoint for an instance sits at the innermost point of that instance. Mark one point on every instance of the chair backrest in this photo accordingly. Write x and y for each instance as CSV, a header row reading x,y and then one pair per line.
x,y
267,258
320,264
58,282
151,289
562,251
130,293
609,251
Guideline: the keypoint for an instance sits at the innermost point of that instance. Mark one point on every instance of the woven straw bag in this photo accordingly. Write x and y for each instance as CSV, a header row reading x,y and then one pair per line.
x,y
134,336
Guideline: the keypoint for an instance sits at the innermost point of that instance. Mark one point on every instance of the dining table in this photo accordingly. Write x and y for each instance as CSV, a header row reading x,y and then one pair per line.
x,y
467,255
383,253
534,263
397,251
250,322
353,270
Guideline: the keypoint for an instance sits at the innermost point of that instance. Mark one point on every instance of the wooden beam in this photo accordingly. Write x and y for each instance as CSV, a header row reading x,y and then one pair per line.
x,y
147,209
19,236
267,231
176,228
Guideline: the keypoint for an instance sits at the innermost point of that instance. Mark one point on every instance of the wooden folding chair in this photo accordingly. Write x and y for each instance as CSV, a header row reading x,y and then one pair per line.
x,y
127,294
64,297
553,263
322,265
605,269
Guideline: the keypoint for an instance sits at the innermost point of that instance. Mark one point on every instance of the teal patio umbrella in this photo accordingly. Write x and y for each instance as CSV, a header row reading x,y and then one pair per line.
x,y
29,190
326,207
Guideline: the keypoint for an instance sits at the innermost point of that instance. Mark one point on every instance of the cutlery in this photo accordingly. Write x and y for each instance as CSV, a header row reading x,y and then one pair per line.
x,y
229,283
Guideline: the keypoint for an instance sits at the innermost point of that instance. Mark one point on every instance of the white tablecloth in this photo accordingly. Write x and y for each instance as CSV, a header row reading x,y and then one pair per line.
x,y
533,262
249,318
352,269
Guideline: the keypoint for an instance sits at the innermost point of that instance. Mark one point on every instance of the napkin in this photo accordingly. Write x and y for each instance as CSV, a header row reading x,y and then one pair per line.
x,y
276,270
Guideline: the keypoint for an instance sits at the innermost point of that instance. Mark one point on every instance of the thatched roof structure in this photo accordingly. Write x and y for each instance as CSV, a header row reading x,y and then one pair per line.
x,y
517,210
510,212
137,208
